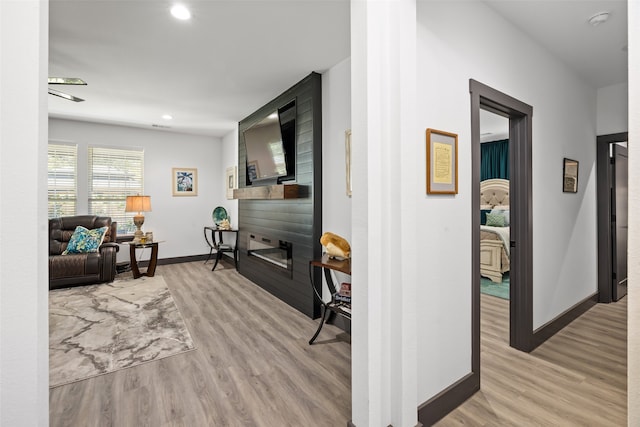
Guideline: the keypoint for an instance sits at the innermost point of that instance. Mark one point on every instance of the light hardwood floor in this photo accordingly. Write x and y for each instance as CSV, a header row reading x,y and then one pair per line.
x,y
252,366
576,378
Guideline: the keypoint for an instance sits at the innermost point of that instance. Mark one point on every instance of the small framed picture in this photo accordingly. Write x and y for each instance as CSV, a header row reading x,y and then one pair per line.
x,y
252,171
231,181
442,162
570,176
185,181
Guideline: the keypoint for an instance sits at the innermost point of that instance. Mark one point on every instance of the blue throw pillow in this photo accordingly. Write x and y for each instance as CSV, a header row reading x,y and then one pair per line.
x,y
495,220
85,241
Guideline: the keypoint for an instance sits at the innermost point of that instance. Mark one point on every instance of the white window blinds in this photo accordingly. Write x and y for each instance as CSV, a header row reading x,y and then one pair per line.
x,y
62,179
114,174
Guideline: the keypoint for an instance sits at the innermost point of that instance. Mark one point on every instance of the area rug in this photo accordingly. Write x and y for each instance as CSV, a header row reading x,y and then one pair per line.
x,y
98,329
500,290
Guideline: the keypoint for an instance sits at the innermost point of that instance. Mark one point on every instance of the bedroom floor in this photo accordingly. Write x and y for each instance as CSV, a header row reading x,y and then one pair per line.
x,y
576,378
500,290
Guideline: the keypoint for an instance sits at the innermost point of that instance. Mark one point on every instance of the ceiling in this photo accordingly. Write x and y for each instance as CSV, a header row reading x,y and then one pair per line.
x,y
561,26
234,56
209,73
493,127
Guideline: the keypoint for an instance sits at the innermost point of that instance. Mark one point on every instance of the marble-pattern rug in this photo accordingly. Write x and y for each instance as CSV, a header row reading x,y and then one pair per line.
x,y
97,329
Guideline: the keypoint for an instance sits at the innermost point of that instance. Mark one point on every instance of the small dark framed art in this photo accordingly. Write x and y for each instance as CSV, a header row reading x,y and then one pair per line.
x,y
442,162
570,176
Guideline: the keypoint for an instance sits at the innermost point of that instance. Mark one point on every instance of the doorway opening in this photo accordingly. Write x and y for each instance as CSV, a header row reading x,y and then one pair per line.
x,y
612,184
495,217
520,241
495,220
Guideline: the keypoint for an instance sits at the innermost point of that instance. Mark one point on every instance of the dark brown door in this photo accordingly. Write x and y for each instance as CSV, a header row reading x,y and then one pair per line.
x,y
619,225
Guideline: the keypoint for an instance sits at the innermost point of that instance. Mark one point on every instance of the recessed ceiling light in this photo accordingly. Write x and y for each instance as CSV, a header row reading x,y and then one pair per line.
x,y
599,18
273,116
180,12
167,116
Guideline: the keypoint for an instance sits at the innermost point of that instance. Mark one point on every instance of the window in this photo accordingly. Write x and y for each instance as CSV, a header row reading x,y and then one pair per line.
x,y
62,179
114,174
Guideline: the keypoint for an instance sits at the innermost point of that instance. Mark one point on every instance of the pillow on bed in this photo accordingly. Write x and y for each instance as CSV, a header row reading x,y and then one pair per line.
x,y
503,212
495,219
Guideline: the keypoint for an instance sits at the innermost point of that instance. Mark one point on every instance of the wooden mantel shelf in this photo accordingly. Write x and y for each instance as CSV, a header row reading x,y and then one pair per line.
x,y
267,192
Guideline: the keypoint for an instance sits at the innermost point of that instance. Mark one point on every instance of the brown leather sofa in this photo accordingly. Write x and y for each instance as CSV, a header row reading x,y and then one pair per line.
x,y
80,269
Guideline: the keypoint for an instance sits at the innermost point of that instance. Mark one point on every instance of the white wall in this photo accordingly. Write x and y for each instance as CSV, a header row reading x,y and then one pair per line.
x,y
229,158
178,221
336,119
613,109
564,225
633,309
24,331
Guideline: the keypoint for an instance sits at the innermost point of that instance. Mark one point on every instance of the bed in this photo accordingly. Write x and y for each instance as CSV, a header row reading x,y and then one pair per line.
x,y
494,229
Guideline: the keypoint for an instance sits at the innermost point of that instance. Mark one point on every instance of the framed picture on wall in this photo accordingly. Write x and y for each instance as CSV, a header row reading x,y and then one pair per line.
x,y
185,181
231,181
570,176
442,162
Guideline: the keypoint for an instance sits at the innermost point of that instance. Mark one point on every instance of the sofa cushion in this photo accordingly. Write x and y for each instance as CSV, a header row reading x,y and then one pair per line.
x,y
85,241
74,265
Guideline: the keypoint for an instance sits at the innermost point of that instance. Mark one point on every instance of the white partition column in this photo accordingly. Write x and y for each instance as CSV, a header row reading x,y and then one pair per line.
x,y
385,146
633,309
24,332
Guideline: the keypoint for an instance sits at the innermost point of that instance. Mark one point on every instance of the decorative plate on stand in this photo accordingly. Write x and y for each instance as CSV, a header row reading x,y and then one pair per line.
x,y
219,214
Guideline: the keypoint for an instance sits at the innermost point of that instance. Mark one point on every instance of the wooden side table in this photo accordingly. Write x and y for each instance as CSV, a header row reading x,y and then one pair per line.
x,y
153,260
327,264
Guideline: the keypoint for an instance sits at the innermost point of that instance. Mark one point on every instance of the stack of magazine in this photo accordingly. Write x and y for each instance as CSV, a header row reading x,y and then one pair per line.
x,y
342,298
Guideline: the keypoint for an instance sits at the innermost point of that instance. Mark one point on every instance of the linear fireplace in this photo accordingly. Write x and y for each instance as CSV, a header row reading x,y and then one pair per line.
x,y
273,251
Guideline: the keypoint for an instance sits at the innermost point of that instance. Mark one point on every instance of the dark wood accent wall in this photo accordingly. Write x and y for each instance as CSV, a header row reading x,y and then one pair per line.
x,y
299,220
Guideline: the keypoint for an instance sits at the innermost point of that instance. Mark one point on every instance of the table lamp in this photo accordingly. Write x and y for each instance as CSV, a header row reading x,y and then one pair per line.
x,y
138,204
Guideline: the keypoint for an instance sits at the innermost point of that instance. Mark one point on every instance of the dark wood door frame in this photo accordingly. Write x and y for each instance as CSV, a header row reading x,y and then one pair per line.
x,y
520,115
603,183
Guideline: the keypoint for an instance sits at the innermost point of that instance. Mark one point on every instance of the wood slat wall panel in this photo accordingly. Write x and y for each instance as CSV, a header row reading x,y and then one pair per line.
x,y
282,227
299,207
297,221
289,217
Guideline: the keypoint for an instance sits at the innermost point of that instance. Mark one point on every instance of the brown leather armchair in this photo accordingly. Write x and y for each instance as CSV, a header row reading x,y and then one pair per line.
x,y
80,269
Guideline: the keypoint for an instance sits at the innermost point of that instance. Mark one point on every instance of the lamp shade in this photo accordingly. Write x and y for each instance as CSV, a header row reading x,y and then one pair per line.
x,y
138,204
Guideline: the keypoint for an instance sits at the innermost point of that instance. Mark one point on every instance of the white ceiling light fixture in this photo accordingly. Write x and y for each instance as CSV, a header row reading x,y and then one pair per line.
x,y
180,11
599,18
167,116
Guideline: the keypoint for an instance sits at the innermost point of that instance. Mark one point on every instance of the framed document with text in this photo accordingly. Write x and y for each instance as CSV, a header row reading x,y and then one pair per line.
x,y
442,162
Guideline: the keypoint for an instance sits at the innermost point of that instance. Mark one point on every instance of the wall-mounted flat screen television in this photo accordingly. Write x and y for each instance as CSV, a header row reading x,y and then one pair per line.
x,y
271,147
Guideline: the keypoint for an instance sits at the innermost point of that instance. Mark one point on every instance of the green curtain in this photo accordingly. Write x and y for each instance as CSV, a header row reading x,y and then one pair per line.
x,y
494,160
